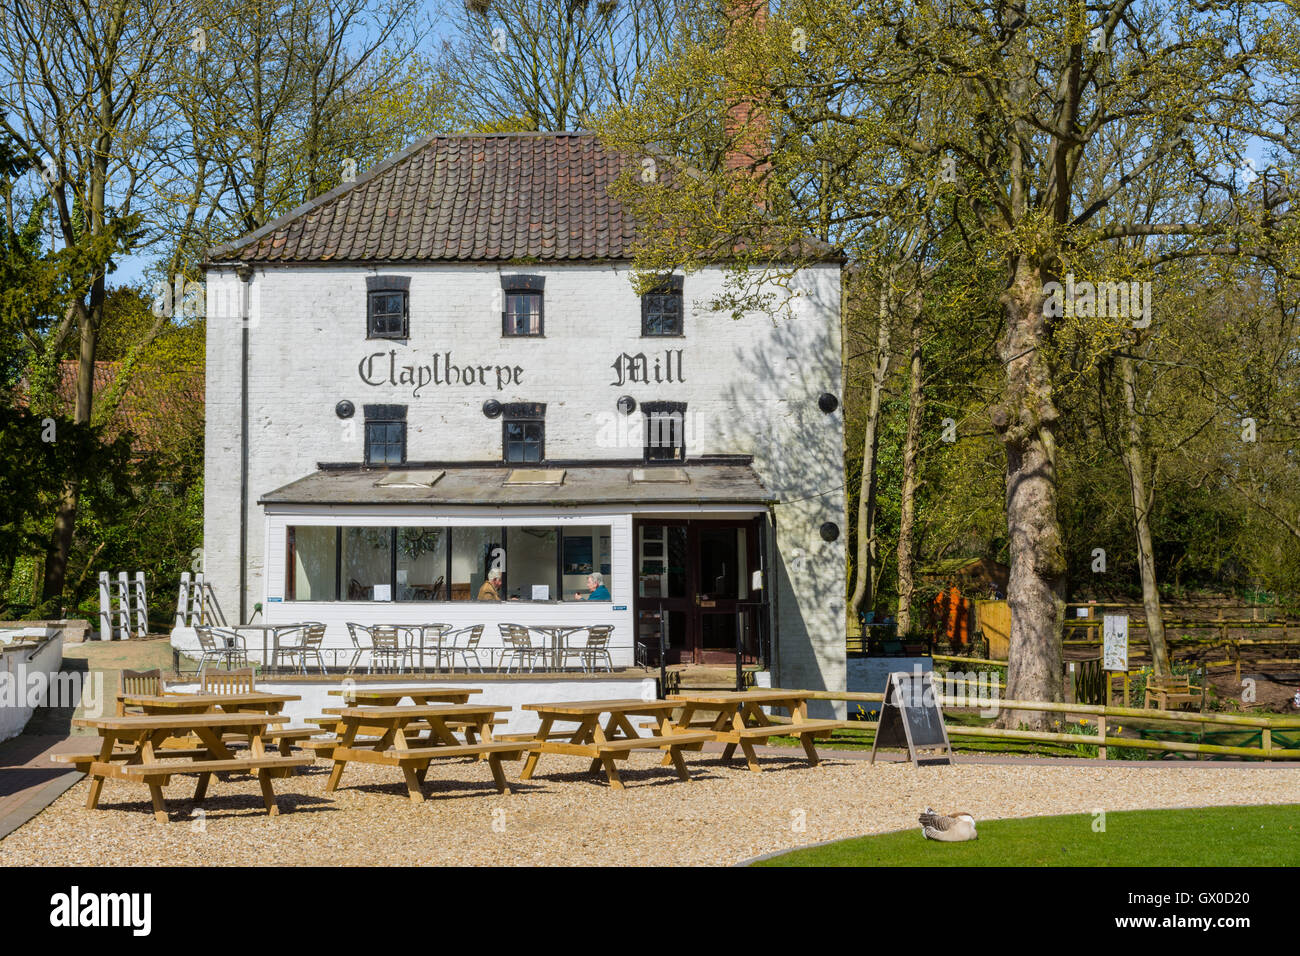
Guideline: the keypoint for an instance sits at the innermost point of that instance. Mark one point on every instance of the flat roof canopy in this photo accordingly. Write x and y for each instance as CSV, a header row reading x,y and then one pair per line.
x,y
538,484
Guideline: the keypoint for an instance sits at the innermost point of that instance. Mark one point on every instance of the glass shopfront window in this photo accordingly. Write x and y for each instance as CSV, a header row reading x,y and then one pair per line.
x,y
531,555
367,570
474,553
421,564
444,563
313,564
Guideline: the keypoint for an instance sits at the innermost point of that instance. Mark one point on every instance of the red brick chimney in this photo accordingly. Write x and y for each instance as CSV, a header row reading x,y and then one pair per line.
x,y
748,132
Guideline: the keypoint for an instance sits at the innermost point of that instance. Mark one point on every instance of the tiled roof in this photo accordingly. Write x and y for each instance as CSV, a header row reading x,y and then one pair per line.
x,y
488,484
505,197
159,403
472,198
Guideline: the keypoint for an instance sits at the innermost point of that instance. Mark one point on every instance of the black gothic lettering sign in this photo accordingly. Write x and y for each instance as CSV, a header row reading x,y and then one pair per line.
x,y
382,368
658,369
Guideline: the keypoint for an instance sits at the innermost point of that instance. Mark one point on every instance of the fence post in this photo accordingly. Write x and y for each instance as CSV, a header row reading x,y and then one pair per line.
x,y
105,608
124,605
1266,739
141,606
182,599
1101,728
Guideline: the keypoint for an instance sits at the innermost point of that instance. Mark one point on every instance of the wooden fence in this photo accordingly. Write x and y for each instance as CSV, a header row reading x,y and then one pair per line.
x,y
1103,715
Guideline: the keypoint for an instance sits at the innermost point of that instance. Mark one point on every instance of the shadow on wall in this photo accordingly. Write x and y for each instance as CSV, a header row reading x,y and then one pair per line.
x,y
799,456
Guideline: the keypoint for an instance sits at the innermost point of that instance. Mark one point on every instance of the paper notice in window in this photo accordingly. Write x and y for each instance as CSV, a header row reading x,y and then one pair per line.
x,y
541,592
383,592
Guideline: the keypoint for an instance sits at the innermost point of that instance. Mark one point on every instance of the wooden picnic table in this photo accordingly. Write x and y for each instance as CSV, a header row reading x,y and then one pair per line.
x,y
392,696
413,753
254,702
142,736
740,719
615,741
244,702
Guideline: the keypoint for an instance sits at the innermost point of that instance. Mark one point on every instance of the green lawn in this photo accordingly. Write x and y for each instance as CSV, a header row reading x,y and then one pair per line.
x,y
1216,836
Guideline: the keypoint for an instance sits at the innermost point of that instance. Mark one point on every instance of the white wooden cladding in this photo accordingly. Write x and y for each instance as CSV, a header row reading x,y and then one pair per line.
x,y
122,604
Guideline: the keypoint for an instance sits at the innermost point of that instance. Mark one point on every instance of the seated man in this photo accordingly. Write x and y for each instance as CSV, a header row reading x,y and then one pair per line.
x,y
490,591
596,585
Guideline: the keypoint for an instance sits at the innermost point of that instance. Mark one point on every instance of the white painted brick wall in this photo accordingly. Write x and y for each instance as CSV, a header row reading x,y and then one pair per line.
x,y
751,387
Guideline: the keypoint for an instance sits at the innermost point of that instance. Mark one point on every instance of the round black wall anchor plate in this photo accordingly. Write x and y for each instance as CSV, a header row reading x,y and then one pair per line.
x,y
830,531
492,408
828,402
345,409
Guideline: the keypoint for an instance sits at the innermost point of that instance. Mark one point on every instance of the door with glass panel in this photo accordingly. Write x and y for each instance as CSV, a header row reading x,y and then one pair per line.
x,y
691,576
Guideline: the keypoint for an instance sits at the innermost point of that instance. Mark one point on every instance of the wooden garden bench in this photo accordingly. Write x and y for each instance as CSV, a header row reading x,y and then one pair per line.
x,y
1175,690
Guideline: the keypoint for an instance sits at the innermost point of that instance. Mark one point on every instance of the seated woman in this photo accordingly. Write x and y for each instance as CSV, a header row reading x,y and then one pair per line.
x,y
596,585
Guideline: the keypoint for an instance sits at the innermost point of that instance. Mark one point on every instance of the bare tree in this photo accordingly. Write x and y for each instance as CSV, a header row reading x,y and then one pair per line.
x,y
553,64
81,80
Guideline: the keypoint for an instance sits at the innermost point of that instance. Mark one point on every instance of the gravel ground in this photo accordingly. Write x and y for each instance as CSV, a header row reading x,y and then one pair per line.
x,y
564,817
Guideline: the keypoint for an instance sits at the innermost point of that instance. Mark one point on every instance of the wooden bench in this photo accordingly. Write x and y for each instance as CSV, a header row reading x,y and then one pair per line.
x,y
414,763
811,728
82,760
266,768
1172,690
214,766
655,743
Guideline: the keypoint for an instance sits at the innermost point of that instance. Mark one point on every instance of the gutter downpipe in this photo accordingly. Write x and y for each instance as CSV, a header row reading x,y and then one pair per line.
x,y
245,273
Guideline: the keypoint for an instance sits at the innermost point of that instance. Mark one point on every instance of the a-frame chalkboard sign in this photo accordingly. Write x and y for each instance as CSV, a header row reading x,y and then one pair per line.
x,y
910,717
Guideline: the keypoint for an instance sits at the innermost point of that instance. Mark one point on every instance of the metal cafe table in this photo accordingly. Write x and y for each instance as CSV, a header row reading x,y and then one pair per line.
x,y
615,741
740,719
270,638
558,635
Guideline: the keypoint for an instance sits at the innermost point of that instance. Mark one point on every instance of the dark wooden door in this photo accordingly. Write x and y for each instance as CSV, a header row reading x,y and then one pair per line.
x,y
694,573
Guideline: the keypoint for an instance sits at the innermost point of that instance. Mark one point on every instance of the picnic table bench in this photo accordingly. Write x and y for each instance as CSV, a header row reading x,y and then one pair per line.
x,y
145,761
412,754
615,741
740,720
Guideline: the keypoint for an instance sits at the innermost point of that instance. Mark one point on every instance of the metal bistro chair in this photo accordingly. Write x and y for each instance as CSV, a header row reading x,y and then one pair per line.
x,y
313,636
597,646
358,647
449,645
386,648
519,647
220,646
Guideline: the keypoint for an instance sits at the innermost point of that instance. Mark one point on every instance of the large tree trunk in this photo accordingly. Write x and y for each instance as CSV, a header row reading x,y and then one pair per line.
x,y
867,556
90,313
1025,421
1142,498
65,518
907,511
